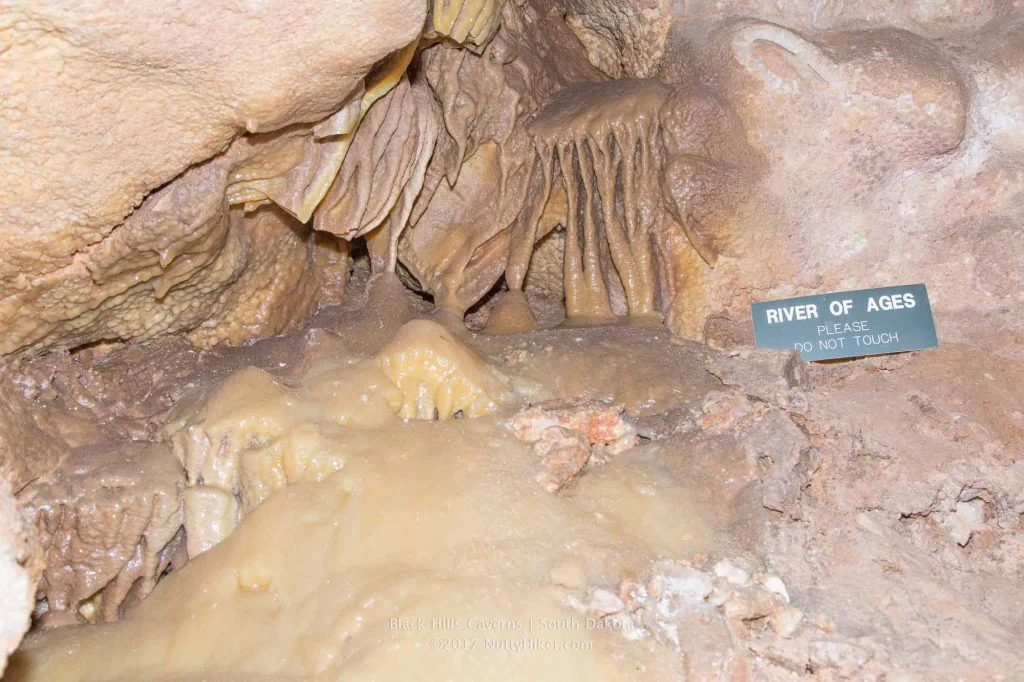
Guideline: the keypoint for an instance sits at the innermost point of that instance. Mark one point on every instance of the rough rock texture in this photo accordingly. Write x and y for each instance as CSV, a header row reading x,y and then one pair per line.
x,y
769,184
109,521
894,504
565,434
623,39
562,454
599,423
20,565
886,141
217,169
104,104
854,506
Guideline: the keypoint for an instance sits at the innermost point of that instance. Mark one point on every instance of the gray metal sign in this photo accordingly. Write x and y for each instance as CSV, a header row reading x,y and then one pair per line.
x,y
848,323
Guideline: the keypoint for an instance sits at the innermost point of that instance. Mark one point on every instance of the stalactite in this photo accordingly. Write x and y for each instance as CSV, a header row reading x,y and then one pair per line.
x,y
606,146
300,186
524,234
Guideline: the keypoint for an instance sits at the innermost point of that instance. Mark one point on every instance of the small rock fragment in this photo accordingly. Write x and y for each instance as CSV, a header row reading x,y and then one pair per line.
x,y
774,584
563,454
789,654
721,410
656,587
565,435
822,622
749,604
732,573
966,519
604,602
598,422
622,623
786,621
684,588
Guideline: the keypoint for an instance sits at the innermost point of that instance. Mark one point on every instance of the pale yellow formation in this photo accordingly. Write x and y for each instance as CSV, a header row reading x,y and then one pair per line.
x,y
254,435
438,375
324,148
427,556
234,449
467,21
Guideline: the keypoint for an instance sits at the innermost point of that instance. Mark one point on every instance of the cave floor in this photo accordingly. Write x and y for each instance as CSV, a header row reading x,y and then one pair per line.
x,y
680,513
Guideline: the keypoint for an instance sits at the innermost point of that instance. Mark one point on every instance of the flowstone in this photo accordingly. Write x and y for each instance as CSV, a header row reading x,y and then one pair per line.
x,y
254,434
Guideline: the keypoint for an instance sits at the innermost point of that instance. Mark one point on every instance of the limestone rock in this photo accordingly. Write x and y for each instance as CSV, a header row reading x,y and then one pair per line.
x,y
600,423
563,454
109,523
94,123
21,563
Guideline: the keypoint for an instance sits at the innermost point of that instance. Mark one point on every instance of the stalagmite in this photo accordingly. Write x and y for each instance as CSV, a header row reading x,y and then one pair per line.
x,y
255,434
440,376
411,340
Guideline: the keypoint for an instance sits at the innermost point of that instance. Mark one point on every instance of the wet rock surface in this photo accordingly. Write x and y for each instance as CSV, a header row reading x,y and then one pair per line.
x,y
109,520
357,177
866,514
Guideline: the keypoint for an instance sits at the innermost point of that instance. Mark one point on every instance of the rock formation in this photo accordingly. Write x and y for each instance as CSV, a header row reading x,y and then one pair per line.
x,y
372,279
20,565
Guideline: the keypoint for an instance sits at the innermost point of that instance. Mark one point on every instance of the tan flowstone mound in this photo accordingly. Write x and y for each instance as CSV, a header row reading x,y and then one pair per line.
x,y
439,376
254,434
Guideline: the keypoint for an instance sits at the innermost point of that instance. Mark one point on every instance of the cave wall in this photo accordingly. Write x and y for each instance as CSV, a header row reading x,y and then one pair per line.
x,y
202,170
853,145
886,139
118,127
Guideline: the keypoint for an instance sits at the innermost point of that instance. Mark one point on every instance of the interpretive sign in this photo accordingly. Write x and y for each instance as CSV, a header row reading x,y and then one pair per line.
x,y
848,323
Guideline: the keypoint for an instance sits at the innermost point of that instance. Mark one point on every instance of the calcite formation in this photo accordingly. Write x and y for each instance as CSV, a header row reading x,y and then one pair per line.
x,y
255,435
95,125
437,311
419,521
685,551
629,148
459,126
109,524
438,375
565,433
472,21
